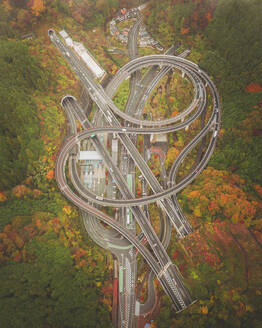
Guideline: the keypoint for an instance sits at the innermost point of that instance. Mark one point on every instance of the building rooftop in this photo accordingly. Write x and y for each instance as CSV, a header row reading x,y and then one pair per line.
x,y
64,34
158,138
80,49
90,155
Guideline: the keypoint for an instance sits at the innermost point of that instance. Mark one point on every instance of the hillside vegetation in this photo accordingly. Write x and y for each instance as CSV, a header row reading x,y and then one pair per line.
x,y
225,40
20,144
54,275
221,261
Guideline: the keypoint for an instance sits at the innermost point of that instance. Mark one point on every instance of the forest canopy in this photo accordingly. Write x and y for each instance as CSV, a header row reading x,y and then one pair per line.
x,y
20,76
226,39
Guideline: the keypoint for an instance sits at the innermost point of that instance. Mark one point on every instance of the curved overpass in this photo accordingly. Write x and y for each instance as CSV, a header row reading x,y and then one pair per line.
x,y
167,274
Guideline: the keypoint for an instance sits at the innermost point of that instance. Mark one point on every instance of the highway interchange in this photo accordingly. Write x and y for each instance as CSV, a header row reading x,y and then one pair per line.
x,y
87,201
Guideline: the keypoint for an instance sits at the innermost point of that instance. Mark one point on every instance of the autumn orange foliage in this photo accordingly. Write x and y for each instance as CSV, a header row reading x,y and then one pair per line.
x,y
21,191
174,113
204,309
37,7
50,174
37,193
7,6
171,156
209,16
3,197
15,236
219,194
258,190
67,209
79,253
185,30
253,87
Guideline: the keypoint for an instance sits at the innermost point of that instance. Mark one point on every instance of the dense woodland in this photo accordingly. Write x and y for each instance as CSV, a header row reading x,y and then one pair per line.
x,y
54,275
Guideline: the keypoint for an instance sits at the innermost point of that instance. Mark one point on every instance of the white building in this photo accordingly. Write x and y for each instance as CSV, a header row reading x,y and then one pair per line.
x,y
115,150
80,49
67,38
158,138
88,59
90,155
143,6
